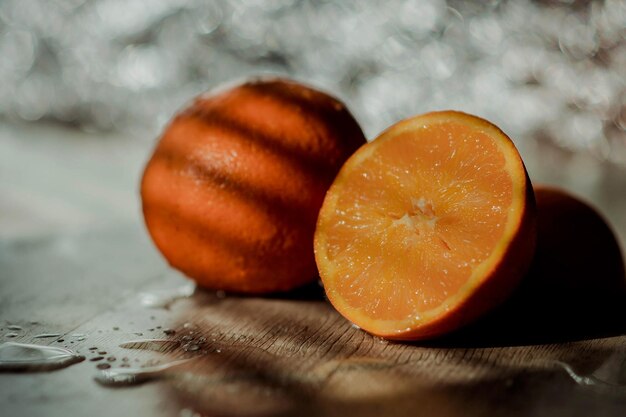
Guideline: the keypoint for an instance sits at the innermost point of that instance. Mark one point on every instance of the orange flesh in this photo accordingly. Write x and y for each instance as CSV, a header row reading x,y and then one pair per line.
x,y
417,221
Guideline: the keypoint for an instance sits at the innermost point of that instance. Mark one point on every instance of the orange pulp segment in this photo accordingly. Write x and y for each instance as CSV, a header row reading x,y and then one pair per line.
x,y
427,227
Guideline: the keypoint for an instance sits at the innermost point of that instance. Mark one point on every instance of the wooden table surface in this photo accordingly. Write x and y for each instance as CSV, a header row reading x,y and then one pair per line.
x,y
75,260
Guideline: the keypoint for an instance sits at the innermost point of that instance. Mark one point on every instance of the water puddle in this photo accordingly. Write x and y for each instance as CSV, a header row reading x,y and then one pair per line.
x,y
164,298
123,377
34,358
608,377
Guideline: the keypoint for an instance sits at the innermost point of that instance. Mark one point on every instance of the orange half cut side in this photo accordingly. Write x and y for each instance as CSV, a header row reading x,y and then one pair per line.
x,y
427,227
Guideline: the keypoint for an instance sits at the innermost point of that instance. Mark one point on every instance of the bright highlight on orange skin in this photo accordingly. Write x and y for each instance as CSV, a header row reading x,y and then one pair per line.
x,y
414,215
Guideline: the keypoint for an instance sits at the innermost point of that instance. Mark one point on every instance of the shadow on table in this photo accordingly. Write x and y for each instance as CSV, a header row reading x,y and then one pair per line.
x,y
309,292
519,323
313,291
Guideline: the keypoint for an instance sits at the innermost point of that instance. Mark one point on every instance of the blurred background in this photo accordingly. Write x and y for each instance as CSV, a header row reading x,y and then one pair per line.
x,y
86,86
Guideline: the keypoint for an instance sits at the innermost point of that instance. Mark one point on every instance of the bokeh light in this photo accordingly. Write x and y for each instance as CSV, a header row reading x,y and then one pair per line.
x,y
545,70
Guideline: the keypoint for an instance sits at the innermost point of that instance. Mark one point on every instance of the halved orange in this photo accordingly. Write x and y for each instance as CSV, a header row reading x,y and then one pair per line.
x,y
427,227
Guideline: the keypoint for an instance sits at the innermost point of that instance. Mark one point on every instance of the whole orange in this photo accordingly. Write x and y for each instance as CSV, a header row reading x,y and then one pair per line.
x,y
232,192
577,281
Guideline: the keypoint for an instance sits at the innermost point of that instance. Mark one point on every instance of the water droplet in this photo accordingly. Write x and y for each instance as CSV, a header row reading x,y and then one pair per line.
x,y
158,345
27,357
111,359
46,335
116,328
102,352
12,334
354,326
169,331
187,325
187,338
191,347
124,376
96,359
14,327
164,298
103,366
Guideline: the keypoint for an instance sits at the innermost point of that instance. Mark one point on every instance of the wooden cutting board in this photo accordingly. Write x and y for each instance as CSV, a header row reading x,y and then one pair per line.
x,y
280,355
